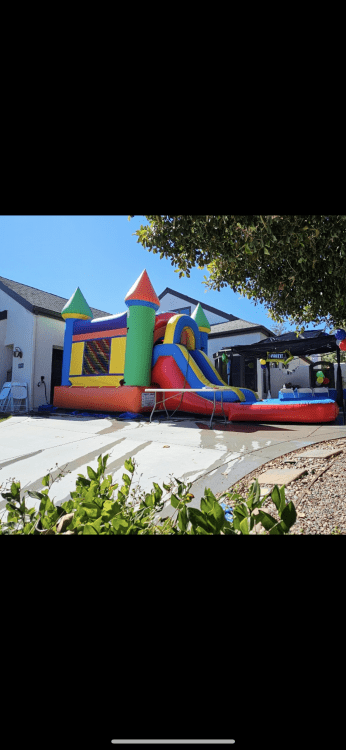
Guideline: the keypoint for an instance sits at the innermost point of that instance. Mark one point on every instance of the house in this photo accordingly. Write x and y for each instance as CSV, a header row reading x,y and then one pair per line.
x,y
31,326
225,329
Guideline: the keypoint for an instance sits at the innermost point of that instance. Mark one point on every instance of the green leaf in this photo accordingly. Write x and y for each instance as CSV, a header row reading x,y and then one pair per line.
x,y
98,524
15,488
207,504
279,529
88,528
13,516
182,519
12,507
90,509
244,526
209,495
219,515
282,495
46,522
6,495
158,490
46,505
119,523
45,480
150,499
37,495
83,481
105,484
278,498
289,515
211,524
126,479
91,473
241,511
266,520
175,501
28,527
129,465
197,518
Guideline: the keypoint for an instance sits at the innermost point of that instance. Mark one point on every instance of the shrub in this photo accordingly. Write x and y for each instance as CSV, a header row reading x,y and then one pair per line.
x,y
94,509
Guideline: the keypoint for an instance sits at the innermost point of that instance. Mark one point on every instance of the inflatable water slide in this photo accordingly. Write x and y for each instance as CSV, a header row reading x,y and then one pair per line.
x,y
108,363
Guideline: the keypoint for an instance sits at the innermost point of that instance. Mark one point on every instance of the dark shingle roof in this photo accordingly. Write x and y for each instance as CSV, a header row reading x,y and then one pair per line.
x,y
39,302
236,326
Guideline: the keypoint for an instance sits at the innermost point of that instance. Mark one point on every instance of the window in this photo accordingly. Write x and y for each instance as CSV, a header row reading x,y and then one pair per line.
x,y
96,357
182,311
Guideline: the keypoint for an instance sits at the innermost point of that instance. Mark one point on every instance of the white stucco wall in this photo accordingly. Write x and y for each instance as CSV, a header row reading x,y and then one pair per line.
x,y
170,302
35,335
19,332
6,353
298,376
49,332
343,373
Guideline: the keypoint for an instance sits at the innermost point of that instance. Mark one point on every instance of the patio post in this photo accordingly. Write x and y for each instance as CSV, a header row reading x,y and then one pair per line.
x,y
339,391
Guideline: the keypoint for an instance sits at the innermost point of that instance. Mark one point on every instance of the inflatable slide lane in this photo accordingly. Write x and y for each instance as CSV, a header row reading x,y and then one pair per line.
x,y
174,367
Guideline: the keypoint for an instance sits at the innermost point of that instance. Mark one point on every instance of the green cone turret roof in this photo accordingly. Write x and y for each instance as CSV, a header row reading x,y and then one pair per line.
x,y
77,306
200,317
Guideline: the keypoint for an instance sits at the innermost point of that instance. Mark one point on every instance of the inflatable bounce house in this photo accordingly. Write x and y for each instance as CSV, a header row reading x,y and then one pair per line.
x,y
108,363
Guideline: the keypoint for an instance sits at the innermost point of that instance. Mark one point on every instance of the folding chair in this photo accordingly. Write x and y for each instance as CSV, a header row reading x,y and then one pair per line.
x,y
19,398
5,396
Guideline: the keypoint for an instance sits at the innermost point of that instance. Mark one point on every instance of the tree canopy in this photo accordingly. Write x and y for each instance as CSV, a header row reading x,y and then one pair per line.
x,y
294,265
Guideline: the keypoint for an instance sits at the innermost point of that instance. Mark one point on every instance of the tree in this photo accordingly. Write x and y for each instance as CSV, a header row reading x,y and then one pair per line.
x,y
278,328
332,356
294,265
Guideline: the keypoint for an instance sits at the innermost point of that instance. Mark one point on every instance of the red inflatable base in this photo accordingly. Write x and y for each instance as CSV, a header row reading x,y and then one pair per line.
x,y
302,412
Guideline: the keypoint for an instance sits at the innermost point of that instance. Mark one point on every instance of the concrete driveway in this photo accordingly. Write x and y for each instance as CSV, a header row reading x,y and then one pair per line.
x,y
31,446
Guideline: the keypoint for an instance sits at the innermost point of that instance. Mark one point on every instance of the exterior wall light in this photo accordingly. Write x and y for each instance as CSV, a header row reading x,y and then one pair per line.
x,y
17,352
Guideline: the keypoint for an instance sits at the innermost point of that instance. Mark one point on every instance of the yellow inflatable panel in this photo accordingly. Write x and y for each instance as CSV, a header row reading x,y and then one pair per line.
x,y
76,363
117,360
170,329
97,381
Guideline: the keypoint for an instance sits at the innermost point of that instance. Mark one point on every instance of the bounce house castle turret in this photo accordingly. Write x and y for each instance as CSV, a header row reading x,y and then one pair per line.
x,y
142,302
203,324
76,308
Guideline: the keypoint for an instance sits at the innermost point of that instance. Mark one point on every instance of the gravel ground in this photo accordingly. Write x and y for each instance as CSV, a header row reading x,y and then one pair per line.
x,y
319,498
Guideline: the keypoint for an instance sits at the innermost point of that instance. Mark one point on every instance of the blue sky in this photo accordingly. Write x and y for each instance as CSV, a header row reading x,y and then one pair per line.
x,y
101,256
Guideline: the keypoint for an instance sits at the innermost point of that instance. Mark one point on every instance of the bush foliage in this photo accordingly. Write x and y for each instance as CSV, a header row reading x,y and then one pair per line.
x,y
97,506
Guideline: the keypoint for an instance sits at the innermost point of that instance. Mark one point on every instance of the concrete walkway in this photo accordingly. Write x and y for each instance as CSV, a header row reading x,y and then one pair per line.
x,y
31,447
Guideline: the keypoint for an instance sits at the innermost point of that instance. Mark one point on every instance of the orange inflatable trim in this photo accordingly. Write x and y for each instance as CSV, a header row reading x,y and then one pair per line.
x,y
124,398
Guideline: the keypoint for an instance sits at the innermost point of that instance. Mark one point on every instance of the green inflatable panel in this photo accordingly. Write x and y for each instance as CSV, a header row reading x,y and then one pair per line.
x,y
139,345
